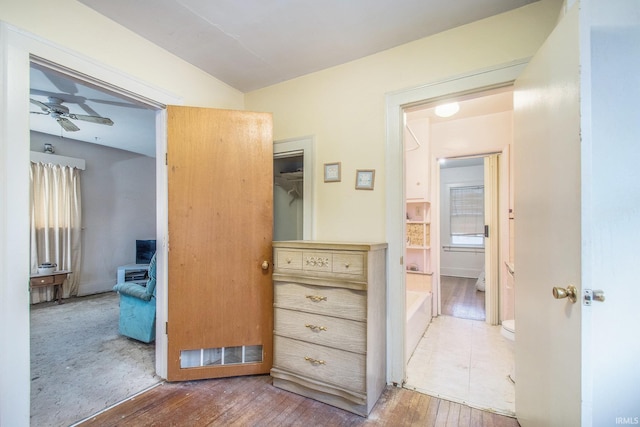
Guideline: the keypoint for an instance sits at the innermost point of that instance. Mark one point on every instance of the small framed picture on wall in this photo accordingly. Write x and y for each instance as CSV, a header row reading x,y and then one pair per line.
x,y
365,179
332,172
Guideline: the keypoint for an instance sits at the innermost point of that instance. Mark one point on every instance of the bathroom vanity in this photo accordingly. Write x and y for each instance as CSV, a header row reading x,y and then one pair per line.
x,y
330,322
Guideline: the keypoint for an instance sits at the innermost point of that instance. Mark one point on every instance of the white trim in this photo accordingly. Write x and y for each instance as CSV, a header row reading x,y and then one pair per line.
x,y
99,84
305,146
17,49
395,204
162,249
492,243
14,233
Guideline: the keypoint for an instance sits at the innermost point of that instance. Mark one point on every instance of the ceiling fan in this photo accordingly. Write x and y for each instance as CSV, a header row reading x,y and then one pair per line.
x,y
61,114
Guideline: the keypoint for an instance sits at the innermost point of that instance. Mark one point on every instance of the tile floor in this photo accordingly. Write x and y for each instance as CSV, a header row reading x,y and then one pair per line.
x,y
464,361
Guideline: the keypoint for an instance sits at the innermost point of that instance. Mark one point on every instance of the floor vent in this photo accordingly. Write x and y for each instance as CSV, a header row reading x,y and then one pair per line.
x,y
220,356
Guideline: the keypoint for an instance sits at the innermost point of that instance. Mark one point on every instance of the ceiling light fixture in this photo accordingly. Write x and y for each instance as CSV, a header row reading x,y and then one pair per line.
x,y
447,110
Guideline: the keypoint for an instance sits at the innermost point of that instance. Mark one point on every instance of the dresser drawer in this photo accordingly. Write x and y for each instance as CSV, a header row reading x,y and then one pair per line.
x,y
41,281
288,260
348,263
323,330
317,261
331,264
337,302
341,368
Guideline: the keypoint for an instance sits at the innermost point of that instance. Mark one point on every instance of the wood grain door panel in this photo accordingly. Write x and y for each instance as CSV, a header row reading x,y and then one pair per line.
x,y
220,169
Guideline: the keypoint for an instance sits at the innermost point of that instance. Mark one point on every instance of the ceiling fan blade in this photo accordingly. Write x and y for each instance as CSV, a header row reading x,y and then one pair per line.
x,y
39,104
92,119
67,124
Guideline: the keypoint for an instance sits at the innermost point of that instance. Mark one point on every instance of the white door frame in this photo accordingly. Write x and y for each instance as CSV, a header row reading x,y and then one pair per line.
x,y
395,104
306,147
16,49
492,243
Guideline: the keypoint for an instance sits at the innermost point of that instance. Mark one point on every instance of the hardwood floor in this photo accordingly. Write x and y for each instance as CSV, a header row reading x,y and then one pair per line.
x,y
253,401
461,299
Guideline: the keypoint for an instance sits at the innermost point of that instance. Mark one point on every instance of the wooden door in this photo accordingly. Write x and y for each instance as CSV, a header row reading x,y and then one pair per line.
x,y
220,204
547,149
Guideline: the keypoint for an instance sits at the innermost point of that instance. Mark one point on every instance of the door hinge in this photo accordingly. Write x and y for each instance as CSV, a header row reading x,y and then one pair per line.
x,y
166,159
401,260
166,328
486,231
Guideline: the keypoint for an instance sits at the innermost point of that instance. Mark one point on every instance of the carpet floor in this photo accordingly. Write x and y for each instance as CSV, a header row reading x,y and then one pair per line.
x,y
80,364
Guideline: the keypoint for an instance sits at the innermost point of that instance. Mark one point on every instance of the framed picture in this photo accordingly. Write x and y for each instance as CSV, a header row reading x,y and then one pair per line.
x,y
332,172
365,178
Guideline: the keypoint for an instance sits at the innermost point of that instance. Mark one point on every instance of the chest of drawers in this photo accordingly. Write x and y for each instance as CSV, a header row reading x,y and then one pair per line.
x,y
330,322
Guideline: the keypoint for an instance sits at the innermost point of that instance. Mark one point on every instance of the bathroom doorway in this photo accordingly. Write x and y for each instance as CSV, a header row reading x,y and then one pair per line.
x,y
462,250
461,355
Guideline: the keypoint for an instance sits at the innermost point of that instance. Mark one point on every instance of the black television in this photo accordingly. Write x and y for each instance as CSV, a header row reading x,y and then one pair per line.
x,y
144,251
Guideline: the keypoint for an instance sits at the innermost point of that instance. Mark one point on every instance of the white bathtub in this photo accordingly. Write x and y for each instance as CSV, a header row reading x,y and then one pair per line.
x,y
418,318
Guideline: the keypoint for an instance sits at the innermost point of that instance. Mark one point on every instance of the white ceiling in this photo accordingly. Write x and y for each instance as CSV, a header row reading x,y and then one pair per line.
x,y
248,44
477,104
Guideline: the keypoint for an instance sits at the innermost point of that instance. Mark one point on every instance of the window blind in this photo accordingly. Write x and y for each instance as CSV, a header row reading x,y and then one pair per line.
x,y
467,210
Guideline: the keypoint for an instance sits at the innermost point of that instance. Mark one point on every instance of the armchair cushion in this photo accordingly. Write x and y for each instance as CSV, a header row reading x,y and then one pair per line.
x,y
151,283
139,291
133,289
138,307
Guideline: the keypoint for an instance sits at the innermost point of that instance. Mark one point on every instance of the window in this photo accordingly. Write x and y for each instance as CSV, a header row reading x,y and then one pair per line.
x,y
467,215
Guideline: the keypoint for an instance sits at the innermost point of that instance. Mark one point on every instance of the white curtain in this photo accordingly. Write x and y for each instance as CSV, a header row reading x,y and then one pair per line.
x,y
55,224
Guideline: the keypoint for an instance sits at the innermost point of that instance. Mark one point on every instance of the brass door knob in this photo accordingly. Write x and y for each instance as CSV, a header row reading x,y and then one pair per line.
x,y
265,265
570,292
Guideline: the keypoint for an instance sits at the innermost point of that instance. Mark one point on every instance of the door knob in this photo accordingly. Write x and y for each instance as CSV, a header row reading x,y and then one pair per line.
x,y
265,265
570,292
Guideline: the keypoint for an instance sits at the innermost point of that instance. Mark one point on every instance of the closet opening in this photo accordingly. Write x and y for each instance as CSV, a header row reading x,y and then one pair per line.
x,y
288,196
293,168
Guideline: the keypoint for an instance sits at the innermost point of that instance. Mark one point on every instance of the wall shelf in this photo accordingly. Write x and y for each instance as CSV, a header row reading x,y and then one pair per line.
x,y
418,239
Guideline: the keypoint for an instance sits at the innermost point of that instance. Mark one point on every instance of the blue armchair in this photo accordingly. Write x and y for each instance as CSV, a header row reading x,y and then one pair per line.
x,y
138,307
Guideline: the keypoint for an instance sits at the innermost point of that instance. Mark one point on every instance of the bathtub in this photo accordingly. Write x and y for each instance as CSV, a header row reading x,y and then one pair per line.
x,y
418,318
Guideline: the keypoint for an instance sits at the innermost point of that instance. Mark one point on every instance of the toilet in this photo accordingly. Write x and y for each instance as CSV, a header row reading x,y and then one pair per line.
x,y
509,329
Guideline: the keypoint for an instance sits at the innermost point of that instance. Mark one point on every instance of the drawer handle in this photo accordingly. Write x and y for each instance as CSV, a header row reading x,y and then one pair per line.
x,y
316,298
316,327
313,361
346,265
288,260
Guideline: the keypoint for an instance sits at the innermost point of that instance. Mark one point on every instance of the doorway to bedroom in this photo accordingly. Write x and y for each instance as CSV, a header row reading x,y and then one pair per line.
x,y
78,355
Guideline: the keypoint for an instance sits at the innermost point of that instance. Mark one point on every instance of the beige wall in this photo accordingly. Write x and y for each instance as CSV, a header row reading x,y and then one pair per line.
x,y
78,28
344,107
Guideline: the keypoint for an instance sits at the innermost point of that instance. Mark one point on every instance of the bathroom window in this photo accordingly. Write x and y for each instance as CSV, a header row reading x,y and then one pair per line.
x,y
467,215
